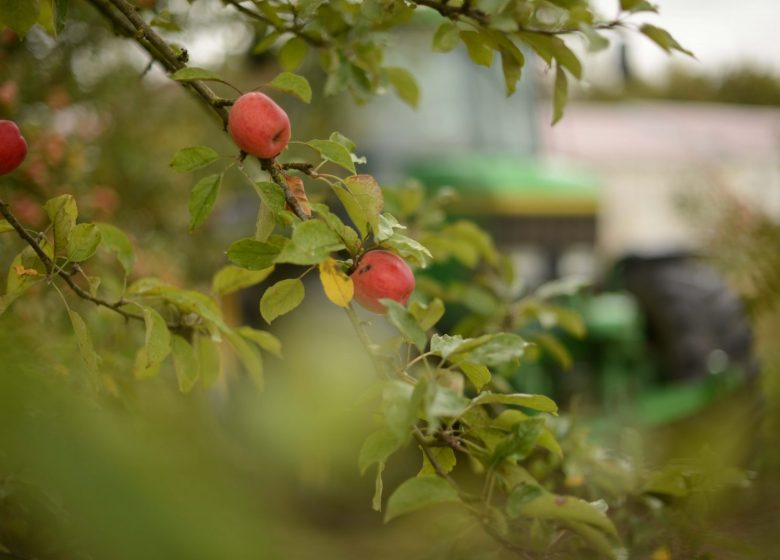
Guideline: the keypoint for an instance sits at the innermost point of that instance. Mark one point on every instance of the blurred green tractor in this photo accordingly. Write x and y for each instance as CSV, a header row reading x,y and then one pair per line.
x,y
665,335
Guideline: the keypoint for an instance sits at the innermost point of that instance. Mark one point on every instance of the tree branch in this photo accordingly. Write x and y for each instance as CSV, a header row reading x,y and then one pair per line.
x,y
294,29
51,269
127,21
466,10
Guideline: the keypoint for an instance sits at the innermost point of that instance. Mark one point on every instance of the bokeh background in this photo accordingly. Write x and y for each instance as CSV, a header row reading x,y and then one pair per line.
x,y
659,190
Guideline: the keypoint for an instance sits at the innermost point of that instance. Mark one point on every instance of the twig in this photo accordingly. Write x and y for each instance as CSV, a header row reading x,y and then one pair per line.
x,y
128,22
274,170
425,446
52,270
294,29
465,10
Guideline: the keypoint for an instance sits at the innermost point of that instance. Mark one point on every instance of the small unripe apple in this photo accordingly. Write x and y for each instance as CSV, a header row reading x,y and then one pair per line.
x,y
258,125
13,148
380,275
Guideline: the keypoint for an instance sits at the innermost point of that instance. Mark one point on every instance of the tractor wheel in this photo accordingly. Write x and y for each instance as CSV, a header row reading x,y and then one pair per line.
x,y
695,323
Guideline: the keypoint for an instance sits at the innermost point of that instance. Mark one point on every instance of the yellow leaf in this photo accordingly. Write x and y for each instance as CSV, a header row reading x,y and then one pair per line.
x,y
337,285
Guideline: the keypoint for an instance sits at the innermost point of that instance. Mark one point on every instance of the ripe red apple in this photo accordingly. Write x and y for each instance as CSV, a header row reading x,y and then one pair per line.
x,y
13,148
258,125
380,275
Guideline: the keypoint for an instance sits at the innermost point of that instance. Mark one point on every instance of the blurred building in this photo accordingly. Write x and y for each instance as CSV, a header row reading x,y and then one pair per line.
x,y
648,154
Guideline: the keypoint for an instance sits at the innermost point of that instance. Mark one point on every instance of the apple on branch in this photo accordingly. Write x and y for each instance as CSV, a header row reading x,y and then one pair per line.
x,y
13,147
382,275
258,125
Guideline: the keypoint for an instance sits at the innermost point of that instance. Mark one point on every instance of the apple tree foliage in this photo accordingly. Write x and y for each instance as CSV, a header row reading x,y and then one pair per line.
x,y
439,393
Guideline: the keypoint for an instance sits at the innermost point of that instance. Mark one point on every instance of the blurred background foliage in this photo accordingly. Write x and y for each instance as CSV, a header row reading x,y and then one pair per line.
x,y
748,84
230,473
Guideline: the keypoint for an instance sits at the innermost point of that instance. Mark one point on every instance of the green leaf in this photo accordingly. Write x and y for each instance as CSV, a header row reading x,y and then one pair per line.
x,y
348,235
185,363
334,152
272,196
446,37
427,315
263,339
343,140
62,212
190,159
209,360
253,255
540,43
400,402
445,345
387,226
192,74
115,240
266,43
520,441
60,14
561,287
409,249
566,58
596,41
444,457
417,493
535,402
554,348
598,540
354,210
250,357
663,39
5,226
560,94
490,349
83,242
202,199
186,301
444,403
637,6
19,15
294,84
405,322
86,349
157,345
548,441
231,278
567,319
524,493
545,505
512,68
312,242
293,53
479,46
478,374
404,84
281,298
377,448
16,285
367,195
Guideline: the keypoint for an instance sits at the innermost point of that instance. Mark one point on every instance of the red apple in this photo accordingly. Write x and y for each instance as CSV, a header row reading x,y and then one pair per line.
x,y
13,148
258,125
380,275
